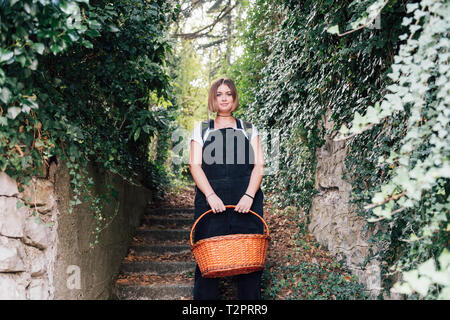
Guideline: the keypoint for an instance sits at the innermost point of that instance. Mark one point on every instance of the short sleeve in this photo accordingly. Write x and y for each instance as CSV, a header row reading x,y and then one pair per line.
x,y
255,132
197,133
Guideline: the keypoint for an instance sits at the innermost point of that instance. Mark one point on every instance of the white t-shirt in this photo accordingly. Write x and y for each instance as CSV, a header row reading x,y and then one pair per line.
x,y
197,132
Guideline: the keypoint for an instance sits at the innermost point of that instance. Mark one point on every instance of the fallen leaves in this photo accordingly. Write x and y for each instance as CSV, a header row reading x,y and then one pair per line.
x,y
153,279
186,256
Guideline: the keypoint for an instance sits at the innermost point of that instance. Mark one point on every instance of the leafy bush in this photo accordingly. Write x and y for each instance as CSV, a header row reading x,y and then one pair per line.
x,y
84,82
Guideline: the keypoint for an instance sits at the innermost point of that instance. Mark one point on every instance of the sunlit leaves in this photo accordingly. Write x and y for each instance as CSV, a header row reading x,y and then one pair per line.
x,y
333,29
69,7
421,279
423,157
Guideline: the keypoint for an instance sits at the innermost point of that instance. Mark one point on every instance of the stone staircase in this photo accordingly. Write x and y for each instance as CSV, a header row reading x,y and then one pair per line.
x,y
159,265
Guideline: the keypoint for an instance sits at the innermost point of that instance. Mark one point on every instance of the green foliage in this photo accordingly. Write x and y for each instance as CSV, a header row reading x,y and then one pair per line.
x,y
311,281
416,190
84,82
304,73
254,32
427,274
191,85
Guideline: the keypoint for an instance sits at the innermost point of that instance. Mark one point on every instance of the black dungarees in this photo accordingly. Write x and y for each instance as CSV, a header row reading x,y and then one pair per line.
x,y
229,180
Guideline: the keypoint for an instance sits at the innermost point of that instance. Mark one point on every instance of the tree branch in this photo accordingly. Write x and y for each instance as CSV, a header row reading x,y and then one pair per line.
x,y
197,34
213,43
397,196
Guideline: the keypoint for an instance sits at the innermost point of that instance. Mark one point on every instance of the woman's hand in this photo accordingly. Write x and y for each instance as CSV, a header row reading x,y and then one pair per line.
x,y
244,204
216,203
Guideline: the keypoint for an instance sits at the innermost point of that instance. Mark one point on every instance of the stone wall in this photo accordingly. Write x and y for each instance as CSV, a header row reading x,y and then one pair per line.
x,y
333,220
27,240
44,250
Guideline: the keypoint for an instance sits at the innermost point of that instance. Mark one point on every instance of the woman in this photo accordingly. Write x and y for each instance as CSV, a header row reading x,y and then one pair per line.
x,y
226,162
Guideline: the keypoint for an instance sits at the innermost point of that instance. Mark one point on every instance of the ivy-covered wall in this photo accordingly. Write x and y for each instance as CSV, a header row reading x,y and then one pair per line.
x,y
85,81
328,61
85,84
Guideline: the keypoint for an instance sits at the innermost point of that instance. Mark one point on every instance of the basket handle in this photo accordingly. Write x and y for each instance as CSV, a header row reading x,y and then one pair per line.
x,y
227,206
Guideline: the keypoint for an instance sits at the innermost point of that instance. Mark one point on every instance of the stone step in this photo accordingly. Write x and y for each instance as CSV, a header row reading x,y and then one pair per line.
x,y
163,235
175,291
159,246
175,222
160,249
157,267
169,211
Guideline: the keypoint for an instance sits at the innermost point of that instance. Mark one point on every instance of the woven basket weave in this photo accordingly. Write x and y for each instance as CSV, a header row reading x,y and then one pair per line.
x,y
233,254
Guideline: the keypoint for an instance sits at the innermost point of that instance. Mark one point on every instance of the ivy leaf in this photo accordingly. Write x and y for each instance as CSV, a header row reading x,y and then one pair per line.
x,y
406,22
13,112
344,130
413,237
444,259
378,197
361,21
73,35
333,29
146,128
428,268
5,55
21,59
372,115
5,95
358,123
403,180
418,284
3,121
395,101
445,294
88,44
403,288
69,7
137,133
410,7
93,24
2,77
38,47
55,49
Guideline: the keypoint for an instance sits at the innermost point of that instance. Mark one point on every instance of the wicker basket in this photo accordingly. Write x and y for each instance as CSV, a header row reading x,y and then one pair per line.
x,y
233,254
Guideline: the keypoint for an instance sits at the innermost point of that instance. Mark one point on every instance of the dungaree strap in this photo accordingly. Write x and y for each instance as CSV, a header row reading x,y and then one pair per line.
x,y
238,124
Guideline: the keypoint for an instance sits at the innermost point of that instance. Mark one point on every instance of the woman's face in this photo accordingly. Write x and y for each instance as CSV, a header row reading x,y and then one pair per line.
x,y
224,99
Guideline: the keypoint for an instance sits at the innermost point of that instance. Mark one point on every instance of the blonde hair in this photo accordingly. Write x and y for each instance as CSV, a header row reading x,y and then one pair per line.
x,y
212,99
